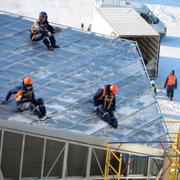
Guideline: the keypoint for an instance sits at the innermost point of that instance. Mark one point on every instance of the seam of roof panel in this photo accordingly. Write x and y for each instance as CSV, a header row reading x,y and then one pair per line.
x,y
81,56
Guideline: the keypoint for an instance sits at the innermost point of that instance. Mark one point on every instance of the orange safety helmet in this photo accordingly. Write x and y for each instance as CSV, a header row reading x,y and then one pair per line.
x,y
28,81
114,89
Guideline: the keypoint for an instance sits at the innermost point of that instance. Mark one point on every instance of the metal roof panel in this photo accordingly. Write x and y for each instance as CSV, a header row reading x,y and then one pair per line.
x,y
68,77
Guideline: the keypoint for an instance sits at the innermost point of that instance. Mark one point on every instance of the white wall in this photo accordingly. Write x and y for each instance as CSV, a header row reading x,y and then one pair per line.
x,y
67,12
100,25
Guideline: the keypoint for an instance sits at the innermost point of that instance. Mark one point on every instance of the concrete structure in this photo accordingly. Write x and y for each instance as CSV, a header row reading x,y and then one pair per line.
x,y
72,144
127,23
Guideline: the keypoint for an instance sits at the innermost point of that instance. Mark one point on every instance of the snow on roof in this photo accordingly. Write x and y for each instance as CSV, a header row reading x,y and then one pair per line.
x,y
126,21
68,77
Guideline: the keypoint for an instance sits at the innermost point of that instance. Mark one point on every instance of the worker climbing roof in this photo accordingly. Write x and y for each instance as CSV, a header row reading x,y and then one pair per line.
x,y
67,79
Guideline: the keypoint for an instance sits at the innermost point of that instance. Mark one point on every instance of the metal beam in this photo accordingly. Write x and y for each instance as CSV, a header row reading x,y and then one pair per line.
x,y
110,177
148,168
128,165
1,145
97,160
65,160
126,148
22,156
1,175
88,165
59,155
43,158
48,132
65,149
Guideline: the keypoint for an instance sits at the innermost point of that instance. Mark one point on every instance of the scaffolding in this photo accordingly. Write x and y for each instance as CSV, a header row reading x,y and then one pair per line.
x,y
117,170
174,172
109,166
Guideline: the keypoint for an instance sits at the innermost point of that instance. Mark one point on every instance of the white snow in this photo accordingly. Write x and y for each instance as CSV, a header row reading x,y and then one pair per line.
x,y
169,12
66,12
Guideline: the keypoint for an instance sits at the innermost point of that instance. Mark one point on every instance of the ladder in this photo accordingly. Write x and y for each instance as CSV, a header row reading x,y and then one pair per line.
x,y
109,169
174,172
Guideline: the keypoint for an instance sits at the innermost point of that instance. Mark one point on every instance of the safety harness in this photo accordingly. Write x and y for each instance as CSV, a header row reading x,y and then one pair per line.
x,y
108,99
23,96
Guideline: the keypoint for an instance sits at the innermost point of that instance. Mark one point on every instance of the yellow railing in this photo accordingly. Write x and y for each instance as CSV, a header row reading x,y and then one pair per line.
x,y
110,171
174,172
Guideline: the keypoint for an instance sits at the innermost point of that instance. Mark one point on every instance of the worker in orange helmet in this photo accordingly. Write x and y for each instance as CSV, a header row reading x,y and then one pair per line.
x,y
170,85
105,101
25,99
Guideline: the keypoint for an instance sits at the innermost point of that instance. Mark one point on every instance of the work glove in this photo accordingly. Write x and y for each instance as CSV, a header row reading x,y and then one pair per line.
x,y
4,101
49,34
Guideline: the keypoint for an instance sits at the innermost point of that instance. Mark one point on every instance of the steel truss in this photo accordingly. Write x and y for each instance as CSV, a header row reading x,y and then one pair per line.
x,y
64,151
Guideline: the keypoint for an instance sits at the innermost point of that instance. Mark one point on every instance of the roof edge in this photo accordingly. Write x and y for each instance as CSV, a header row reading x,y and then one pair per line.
x,y
84,140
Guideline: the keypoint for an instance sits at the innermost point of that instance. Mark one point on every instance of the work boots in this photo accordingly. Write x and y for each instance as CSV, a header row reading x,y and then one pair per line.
x,y
114,122
50,48
54,46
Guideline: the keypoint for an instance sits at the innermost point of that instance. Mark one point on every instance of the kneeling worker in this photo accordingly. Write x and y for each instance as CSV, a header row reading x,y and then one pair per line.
x,y
25,99
42,30
105,101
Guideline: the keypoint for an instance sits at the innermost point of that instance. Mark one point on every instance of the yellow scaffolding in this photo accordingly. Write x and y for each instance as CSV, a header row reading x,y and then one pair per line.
x,y
113,153
174,172
109,169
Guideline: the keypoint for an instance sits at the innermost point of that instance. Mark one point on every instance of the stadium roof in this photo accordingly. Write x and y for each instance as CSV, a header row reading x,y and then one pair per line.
x,y
126,21
68,77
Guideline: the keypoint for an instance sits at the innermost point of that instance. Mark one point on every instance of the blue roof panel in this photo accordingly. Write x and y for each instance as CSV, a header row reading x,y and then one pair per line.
x,y
68,77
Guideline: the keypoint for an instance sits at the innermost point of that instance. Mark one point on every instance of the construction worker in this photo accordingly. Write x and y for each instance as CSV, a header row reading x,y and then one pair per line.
x,y
42,30
105,101
25,99
170,85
